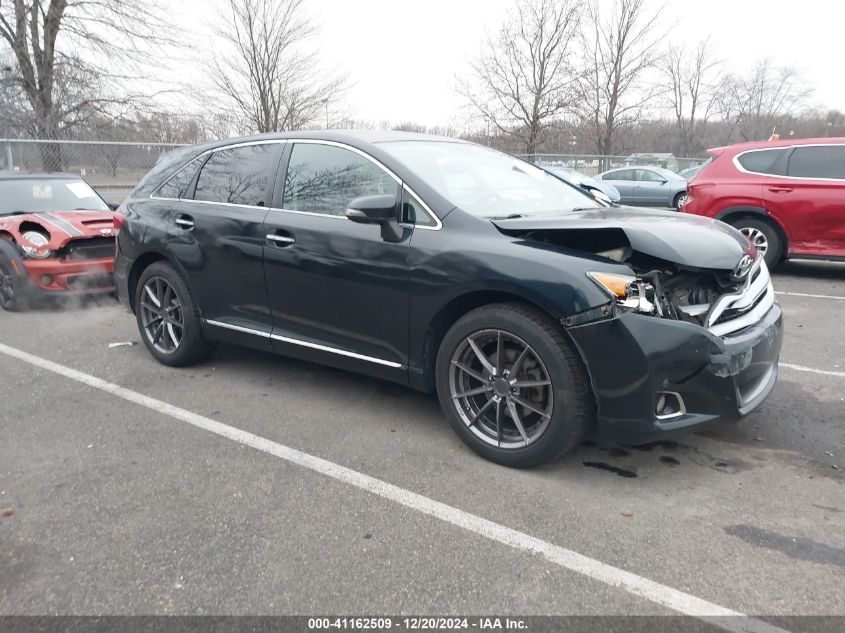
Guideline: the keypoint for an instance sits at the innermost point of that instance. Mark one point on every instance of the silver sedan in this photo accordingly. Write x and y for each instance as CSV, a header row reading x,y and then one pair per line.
x,y
647,186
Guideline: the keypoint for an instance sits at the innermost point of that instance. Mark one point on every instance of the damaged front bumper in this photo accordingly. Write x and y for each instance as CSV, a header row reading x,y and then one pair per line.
x,y
634,360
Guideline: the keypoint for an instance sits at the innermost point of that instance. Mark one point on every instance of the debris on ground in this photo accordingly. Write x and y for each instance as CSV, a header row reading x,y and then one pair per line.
x,y
829,453
627,513
7,512
122,344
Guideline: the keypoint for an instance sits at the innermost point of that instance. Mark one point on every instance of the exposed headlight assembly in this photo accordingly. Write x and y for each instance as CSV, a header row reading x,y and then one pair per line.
x,y
34,244
630,293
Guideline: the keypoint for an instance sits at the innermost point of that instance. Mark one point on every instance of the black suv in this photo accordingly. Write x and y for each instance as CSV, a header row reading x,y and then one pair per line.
x,y
534,312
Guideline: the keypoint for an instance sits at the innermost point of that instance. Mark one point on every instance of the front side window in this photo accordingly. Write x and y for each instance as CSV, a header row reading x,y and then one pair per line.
x,y
622,174
177,185
325,179
764,161
822,161
646,175
240,175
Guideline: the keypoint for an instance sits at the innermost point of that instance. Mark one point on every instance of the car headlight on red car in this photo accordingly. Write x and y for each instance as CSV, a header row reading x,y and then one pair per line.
x,y
34,244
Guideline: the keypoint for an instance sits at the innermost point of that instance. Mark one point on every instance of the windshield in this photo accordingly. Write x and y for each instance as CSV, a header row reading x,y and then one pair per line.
x,y
42,195
486,182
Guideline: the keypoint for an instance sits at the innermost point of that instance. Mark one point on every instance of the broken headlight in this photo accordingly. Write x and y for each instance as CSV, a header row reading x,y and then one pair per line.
x,y
630,293
34,244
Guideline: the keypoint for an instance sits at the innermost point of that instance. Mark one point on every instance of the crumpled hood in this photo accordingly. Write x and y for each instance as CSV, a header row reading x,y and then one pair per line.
x,y
62,226
688,240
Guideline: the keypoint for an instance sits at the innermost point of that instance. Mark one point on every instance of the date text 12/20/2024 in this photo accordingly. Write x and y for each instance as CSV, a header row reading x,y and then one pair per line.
x,y
486,623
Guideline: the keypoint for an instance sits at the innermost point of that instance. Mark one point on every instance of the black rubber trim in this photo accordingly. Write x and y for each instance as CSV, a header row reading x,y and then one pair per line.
x,y
741,210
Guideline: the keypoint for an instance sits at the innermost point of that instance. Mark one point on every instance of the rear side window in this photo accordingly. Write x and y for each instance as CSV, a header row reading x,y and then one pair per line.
x,y
822,161
622,174
177,184
646,175
325,179
240,175
764,161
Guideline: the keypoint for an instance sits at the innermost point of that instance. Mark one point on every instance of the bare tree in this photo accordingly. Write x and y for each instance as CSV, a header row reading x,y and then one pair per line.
x,y
755,104
692,81
525,75
621,46
266,71
53,42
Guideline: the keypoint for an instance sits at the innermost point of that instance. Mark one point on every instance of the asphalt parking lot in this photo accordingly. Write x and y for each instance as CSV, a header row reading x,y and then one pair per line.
x,y
118,504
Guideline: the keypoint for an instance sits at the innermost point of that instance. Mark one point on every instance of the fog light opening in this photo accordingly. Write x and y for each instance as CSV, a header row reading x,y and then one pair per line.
x,y
46,279
670,404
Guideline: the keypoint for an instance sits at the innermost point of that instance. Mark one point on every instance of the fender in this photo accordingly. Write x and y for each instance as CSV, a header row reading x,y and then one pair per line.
x,y
752,210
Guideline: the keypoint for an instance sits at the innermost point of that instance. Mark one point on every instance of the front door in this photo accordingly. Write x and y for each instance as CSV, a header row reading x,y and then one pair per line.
x,y
217,238
811,200
652,189
338,291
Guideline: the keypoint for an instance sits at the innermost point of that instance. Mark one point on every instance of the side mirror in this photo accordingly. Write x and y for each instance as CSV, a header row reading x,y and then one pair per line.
x,y
597,193
379,210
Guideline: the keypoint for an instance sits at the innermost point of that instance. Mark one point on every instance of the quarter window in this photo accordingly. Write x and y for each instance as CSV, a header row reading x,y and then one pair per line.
x,y
176,186
822,161
767,161
413,212
622,174
240,175
325,179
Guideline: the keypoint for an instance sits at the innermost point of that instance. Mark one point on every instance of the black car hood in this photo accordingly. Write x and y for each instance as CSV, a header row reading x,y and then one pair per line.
x,y
688,240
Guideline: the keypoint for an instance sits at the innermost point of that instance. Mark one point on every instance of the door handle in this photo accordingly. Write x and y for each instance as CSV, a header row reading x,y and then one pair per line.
x,y
281,238
185,222
779,189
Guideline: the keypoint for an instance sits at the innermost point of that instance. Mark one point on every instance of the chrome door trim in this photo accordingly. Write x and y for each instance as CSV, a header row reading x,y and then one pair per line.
x,y
294,341
740,168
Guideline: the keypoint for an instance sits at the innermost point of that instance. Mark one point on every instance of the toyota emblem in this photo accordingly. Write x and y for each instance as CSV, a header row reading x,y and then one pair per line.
x,y
742,268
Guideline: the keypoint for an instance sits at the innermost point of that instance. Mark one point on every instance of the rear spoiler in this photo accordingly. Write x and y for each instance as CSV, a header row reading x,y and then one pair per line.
x,y
715,151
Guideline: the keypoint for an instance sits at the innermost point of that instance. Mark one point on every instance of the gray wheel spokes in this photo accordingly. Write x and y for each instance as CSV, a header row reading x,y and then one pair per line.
x,y
501,389
756,237
161,315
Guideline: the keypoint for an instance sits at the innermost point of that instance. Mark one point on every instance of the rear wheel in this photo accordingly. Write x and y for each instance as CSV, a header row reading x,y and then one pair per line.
x,y
12,291
679,200
764,237
168,318
511,386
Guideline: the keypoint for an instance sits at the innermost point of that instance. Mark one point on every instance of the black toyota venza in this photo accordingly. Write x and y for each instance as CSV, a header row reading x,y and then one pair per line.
x,y
535,313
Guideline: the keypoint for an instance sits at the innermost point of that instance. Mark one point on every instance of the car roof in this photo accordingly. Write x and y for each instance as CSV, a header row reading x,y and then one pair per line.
x,y
23,175
788,142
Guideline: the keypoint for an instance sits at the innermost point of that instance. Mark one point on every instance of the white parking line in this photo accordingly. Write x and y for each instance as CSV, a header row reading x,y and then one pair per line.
x,y
803,294
664,595
823,372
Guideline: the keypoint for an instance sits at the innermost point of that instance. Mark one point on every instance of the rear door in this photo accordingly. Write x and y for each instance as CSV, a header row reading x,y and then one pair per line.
x,y
216,237
623,180
651,189
810,201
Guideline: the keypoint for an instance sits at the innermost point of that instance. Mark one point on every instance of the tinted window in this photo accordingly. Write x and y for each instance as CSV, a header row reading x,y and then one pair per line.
x,y
622,174
42,195
818,162
413,212
241,175
646,175
768,161
175,187
325,179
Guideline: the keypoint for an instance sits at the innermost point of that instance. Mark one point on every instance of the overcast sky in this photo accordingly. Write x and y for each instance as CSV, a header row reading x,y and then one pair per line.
x,y
402,56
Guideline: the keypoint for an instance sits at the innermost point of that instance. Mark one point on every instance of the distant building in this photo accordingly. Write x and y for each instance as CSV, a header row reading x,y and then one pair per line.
x,y
660,159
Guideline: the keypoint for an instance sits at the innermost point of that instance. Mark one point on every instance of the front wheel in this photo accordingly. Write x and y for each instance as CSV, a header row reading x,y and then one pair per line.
x,y
12,291
168,318
511,386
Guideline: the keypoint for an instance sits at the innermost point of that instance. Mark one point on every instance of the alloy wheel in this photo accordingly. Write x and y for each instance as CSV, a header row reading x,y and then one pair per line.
x,y
162,318
756,237
7,287
501,389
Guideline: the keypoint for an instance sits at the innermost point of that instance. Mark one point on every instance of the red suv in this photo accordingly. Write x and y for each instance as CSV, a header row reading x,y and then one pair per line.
x,y
787,197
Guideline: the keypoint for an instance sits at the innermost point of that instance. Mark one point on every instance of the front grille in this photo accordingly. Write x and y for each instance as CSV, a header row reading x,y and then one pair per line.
x,y
89,248
735,312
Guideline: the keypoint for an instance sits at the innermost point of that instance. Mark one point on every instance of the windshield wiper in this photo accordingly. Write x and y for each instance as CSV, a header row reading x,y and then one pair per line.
x,y
512,216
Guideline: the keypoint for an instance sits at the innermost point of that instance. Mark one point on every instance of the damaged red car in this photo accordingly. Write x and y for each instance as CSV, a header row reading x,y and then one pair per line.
x,y
56,239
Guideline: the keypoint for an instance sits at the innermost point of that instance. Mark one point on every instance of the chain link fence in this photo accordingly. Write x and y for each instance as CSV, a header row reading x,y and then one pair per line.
x,y
113,168
592,164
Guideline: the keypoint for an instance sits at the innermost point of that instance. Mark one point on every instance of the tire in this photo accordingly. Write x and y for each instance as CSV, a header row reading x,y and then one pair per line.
x,y
764,236
676,201
169,346
561,413
13,289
